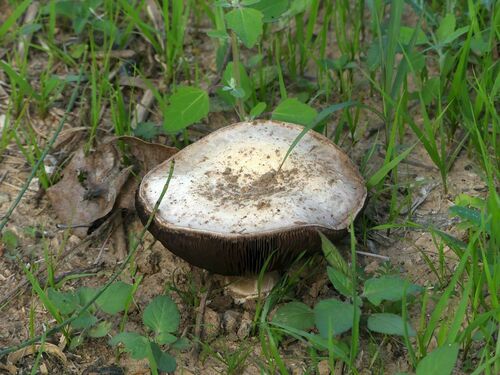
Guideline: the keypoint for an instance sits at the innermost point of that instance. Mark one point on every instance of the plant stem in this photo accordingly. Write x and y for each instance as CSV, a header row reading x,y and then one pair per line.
x,y
236,72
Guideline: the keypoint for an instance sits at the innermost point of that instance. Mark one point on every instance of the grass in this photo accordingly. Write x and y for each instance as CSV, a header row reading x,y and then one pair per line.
x,y
423,76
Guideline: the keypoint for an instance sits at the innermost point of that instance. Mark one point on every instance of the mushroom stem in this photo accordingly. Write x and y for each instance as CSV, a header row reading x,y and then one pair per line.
x,y
244,288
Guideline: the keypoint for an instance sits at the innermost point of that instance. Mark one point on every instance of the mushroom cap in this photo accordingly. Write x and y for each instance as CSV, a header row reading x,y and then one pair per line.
x,y
228,208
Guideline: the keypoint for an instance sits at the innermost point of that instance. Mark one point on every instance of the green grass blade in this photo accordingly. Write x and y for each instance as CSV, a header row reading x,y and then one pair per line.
x,y
378,176
18,12
321,116
49,305
392,42
440,308
19,80
459,315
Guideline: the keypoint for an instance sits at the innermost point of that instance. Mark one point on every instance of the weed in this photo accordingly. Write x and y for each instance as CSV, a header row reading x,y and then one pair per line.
x,y
380,300
234,360
162,317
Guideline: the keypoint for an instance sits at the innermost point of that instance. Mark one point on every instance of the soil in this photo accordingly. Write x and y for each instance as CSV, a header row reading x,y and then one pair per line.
x,y
251,188
227,324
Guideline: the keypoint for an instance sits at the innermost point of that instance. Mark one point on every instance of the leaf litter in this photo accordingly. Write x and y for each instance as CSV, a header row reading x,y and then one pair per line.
x,y
94,184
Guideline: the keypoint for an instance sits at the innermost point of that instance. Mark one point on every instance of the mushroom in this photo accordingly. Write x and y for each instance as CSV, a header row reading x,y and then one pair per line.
x,y
230,204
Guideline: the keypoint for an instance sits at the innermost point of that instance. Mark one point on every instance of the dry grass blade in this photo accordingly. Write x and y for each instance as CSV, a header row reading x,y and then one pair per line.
x,y
142,108
29,17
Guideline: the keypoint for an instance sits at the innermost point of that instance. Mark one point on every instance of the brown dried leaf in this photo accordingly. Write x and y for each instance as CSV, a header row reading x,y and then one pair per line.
x,y
89,187
147,155
68,138
135,366
144,156
48,348
8,369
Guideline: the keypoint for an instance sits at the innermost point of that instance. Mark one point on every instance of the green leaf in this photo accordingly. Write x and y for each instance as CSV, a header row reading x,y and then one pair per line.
x,y
245,84
389,324
101,329
333,256
406,33
373,56
66,302
85,294
387,167
30,28
182,343
298,6
162,315
218,34
137,345
295,314
79,23
257,110
339,64
454,35
105,26
472,215
246,23
164,361
430,90
467,200
450,240
417,59
446,27
339,348
333,317
10,240
113,300
264,76
85,320
292,110
165,338
388,288
187,106
147,130
440,361
271,9
76,341
341,282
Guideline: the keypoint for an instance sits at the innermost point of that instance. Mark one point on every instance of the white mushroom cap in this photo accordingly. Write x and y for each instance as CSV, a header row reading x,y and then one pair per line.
x,y
227,185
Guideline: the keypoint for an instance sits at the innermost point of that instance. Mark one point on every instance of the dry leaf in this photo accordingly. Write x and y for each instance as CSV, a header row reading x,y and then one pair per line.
x,y
147,155
48,348
69,138
8,369
135,366
144,156
89,187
